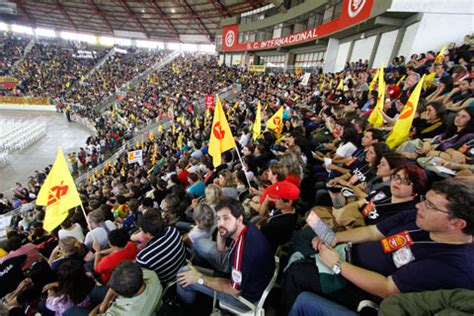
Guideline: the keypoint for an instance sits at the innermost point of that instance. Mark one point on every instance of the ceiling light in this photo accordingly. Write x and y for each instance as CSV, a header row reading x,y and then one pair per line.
x,y
143,10
173,10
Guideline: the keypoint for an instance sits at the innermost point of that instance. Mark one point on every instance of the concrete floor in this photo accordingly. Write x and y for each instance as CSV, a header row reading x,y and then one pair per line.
x,y
68,136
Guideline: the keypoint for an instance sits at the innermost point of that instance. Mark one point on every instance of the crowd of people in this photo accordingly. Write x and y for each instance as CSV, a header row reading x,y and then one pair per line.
x,y
176,225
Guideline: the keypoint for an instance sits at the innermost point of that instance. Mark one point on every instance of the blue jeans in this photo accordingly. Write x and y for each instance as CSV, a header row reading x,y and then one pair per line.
x,y
188,294
309,303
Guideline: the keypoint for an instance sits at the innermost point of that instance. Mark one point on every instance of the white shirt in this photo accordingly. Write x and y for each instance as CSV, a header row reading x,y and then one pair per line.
x,y
100,234
346,150
76,232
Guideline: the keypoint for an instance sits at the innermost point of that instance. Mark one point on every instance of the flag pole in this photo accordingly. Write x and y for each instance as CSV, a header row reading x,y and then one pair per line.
x,y
242,164
85,216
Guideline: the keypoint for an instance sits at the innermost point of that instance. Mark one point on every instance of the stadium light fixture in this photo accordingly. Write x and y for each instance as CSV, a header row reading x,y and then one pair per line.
x,y
45,32
189,47
123,41
107,41
21,29
68,36
174,46
88,38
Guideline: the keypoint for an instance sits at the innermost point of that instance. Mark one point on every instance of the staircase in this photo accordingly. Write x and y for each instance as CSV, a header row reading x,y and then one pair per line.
x,y
157,67
25,52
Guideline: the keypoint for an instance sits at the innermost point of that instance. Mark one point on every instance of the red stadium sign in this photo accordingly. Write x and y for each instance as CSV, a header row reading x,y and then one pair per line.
x,y
209,102
355,11
8,82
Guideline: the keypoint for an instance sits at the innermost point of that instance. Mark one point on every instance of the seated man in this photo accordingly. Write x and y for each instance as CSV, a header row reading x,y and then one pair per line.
x,y
164,251
417,250
241,250
279,227
121,249
136,292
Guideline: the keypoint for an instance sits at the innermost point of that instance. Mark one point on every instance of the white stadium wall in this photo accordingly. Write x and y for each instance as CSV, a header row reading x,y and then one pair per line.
x,y
442,22
436,30
384,49
363,48
408,39
342,56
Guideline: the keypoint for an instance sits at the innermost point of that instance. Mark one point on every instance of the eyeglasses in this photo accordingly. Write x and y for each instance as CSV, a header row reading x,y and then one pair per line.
x,y
404,181
431,206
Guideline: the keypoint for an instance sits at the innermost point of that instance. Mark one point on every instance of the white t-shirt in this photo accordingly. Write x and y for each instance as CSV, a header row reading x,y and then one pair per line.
x,y
76,232
346,150
100,234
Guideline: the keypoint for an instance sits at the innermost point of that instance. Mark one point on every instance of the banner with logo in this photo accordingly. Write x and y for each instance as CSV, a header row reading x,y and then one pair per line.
x,y
135,156
8,82
209,102
306,77
257,68
354,11
24,100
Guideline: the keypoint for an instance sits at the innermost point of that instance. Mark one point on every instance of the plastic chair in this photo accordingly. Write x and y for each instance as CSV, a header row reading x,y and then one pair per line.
x,y
254,309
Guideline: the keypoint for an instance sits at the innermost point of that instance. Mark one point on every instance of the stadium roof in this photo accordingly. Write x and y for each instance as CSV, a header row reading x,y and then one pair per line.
x,y
187,21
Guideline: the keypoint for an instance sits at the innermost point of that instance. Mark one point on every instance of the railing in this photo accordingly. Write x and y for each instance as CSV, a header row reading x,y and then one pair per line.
x,y
135,80
25,52
102,61
229,92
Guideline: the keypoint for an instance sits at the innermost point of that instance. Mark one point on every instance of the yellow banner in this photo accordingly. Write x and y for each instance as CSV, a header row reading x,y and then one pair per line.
x,y
257,68
24,100
8,79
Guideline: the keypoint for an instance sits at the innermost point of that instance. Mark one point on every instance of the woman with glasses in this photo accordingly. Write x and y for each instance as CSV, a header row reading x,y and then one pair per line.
x,y
407,184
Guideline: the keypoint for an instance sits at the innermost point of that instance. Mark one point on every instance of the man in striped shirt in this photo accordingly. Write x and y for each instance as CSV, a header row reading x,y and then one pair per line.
x,y
164,251
241,250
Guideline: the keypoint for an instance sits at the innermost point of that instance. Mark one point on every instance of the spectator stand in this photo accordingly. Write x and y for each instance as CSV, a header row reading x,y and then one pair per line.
x,y
137,79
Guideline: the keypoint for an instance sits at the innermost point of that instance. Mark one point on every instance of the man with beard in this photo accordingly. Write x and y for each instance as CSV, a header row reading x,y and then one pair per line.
x,y
241,252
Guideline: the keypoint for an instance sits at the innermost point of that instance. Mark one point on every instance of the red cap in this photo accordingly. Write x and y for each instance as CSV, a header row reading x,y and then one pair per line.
x,y
284,190
394,92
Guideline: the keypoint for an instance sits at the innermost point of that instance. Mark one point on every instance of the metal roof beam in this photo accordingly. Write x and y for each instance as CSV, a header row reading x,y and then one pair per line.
x,y
134,17
28,17
66,15
196,17
101,15
220,8
160,12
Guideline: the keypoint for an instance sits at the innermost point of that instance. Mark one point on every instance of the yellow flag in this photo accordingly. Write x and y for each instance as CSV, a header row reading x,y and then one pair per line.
x,y
340,86
374,81
137,145
400,80
275,123
151,137
401,129
376,118
221,136
58,194
197,122
257,125
440,57
429,80
180,141
173,130
160,128
68,84
321,87
104,85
